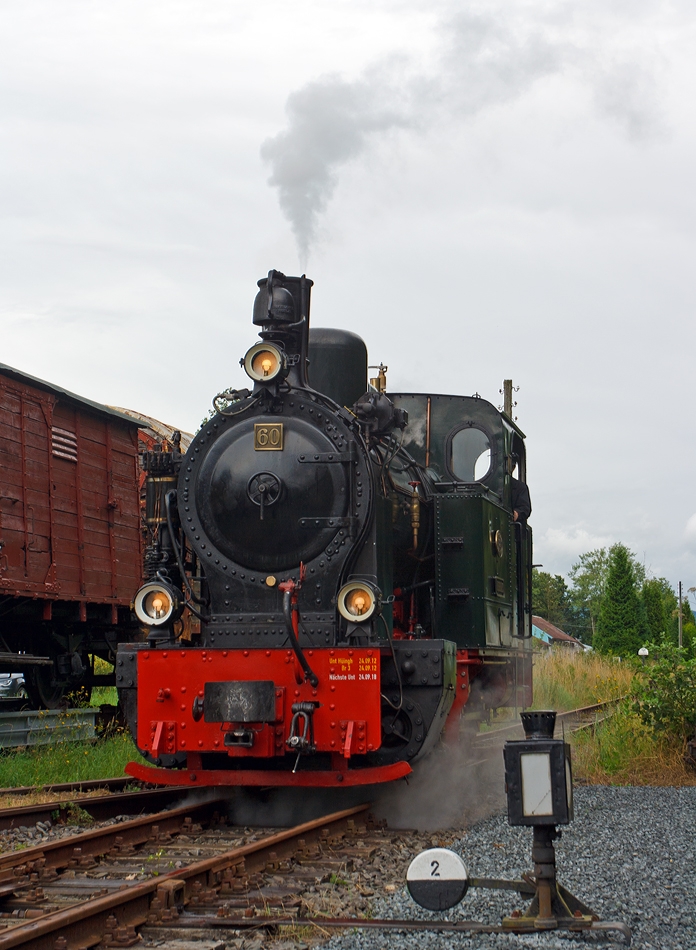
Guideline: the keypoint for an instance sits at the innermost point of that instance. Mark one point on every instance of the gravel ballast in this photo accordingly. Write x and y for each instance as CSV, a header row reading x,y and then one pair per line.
x,y
630,854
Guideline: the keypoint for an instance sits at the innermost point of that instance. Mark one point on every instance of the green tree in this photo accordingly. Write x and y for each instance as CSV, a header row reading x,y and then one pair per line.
x,y
622,626
670,607
653,602
549,597
588,577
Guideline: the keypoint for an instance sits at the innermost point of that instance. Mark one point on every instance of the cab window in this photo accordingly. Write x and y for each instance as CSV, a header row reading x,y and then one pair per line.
x,y
470,454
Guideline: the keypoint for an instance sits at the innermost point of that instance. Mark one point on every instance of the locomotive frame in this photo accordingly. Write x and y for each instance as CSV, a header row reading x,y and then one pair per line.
x,y
358,580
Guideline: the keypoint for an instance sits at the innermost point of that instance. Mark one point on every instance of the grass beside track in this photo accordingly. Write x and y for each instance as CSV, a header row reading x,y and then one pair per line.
x,y
67,762
72,761
566,680
623,751
620,750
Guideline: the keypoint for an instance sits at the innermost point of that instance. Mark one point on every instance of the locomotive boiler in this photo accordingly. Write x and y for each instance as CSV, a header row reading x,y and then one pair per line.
x,y
334,573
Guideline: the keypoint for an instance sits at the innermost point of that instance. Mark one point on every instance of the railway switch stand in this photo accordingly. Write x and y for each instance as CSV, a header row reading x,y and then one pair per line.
x,y
539,786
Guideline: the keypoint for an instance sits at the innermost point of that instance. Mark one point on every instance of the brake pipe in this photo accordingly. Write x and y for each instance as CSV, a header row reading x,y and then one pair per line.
x,y
290,612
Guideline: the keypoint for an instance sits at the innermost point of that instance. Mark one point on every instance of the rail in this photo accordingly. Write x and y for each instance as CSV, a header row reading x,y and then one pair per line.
x,y
98,808
112,917
561,717
89,785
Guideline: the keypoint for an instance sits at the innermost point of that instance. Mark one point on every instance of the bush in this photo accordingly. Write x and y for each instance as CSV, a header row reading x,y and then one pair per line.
x,y
665,697
622,750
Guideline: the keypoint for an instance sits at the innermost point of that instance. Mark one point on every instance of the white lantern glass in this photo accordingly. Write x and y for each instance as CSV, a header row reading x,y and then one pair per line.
x,y
537,792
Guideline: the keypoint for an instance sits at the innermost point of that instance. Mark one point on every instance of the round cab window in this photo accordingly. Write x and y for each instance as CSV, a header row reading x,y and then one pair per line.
x,y
470,455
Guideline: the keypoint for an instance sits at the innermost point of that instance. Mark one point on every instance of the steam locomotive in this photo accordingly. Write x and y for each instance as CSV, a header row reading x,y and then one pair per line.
x,y
334,573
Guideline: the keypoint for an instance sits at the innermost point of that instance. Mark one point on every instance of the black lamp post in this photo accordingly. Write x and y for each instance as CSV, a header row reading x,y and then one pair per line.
x,y
539,785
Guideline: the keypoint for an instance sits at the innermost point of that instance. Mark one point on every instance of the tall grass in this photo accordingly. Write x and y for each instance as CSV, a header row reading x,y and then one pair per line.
x,y
620,750
623,751
103,694
567,680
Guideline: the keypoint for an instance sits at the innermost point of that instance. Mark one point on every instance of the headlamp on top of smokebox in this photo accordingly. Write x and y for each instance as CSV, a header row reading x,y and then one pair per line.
x,y
265,362
157,603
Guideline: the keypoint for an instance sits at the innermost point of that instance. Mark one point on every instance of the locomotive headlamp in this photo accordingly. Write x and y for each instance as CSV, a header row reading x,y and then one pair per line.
x,y
264,362
357,602
157,603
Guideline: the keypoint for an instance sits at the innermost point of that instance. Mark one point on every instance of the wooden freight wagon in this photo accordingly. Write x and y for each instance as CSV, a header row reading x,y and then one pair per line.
x,y
70,539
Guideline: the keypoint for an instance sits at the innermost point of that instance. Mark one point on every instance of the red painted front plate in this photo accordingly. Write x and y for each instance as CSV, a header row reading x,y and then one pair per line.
x,y
348,692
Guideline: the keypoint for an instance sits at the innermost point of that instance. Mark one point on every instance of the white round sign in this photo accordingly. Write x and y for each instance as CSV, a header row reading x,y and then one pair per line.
x,y
437,879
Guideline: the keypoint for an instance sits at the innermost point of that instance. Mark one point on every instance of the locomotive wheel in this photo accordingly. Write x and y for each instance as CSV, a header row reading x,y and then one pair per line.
x,y
43,692
396,729
402,734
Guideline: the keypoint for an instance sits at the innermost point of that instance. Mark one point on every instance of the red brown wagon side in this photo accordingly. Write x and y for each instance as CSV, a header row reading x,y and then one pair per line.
x,y
70,539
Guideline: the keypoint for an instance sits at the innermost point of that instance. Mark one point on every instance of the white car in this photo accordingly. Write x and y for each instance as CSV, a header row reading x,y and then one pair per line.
x,y
12,686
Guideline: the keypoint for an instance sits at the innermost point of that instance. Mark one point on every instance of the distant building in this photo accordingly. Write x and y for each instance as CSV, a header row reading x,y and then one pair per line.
x,y
549,634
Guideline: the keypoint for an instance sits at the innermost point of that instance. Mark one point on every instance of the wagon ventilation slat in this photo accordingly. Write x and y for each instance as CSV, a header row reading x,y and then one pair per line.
x,y
63,444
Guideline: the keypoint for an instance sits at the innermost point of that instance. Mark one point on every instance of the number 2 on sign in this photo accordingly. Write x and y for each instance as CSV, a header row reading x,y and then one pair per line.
x,y
434,865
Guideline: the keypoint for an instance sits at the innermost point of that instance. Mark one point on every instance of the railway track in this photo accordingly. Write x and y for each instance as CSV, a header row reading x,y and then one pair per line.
x,y
97,808
186,873
92,785
100,891
107,885
573,720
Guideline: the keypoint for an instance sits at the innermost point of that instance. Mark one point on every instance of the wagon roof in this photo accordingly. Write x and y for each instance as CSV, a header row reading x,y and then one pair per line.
x,y
98,407
158,429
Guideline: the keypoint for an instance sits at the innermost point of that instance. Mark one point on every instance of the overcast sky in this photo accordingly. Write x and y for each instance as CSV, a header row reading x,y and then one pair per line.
x,y
481,190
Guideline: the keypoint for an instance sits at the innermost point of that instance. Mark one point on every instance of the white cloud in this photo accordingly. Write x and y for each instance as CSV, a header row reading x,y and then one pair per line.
x,y
690,529
564,545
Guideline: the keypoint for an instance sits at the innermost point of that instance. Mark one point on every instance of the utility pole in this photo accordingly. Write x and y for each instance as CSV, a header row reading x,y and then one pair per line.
x,y
680,613
507,397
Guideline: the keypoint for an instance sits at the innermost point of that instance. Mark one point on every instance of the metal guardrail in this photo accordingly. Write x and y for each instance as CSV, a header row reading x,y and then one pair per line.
x,y
46,727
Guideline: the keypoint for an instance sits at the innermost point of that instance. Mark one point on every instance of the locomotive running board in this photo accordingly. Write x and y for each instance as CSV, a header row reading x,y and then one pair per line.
x,y
261,778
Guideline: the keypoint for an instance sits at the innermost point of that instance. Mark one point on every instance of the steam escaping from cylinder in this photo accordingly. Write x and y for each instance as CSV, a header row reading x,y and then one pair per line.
x,y
460,782
485,56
